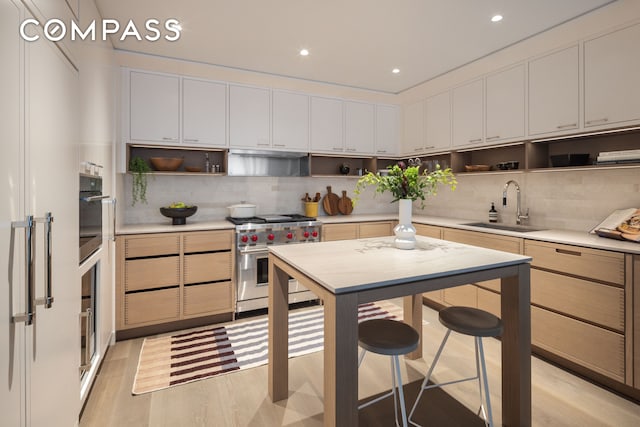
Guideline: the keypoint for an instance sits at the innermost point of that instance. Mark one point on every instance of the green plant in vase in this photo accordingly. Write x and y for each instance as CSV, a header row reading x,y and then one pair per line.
x,y
139,170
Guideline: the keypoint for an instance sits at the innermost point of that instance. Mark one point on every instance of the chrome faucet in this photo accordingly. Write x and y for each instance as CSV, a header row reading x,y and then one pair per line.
x,y
519,216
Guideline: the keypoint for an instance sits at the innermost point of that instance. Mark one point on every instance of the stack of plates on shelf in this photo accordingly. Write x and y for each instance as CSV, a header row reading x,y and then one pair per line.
x,y
613,157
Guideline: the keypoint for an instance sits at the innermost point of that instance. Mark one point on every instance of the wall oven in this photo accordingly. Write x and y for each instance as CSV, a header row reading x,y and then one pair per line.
x,y
91,198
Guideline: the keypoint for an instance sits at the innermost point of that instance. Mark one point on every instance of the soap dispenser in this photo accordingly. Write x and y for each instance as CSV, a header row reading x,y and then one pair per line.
x,y
207,163
493,213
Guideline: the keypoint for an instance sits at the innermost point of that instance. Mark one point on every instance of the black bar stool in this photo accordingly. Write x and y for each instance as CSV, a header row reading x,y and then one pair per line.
x,y
476,323
391,338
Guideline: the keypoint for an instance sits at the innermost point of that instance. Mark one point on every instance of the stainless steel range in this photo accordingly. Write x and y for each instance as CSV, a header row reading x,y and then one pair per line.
x,y
253,238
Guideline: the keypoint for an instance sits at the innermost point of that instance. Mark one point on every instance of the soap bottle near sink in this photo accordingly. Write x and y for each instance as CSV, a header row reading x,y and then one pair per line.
x,y
493,213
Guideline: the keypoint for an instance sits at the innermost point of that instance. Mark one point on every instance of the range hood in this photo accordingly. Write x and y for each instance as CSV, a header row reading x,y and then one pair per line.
x,y
267,163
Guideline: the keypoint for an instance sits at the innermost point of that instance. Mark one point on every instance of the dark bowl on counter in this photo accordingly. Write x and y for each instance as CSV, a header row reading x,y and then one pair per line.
x,y
563,160
505,166
178,215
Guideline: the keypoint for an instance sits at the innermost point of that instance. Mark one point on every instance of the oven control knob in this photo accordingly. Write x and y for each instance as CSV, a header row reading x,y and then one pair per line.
x,y
254,238
289,236
244,239
314,233
306,234
271,236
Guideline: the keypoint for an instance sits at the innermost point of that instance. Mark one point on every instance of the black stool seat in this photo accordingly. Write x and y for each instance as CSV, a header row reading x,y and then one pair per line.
x,y
388,337
471,321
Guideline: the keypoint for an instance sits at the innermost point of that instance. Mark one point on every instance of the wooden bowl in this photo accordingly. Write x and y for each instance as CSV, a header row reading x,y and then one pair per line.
x,y
166,163
178,215
477,168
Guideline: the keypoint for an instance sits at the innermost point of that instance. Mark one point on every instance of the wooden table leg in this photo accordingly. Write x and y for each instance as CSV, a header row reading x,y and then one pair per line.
x,y
412,305
341,361
278,333
516,348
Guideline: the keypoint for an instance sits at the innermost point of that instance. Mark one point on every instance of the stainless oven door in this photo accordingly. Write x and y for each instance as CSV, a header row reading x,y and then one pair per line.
x,y
253,274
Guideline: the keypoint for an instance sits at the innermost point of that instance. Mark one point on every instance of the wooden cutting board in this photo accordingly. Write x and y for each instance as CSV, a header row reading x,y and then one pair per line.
x,y
330,202
344,204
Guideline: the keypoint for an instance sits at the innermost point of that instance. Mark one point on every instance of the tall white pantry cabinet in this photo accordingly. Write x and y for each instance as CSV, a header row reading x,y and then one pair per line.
x,y
39,377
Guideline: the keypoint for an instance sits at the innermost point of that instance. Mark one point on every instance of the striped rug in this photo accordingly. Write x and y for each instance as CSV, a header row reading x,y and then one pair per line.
x,y
201,353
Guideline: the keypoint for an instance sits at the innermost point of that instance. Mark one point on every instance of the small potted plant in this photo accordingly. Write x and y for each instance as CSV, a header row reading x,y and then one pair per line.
x,y
139,170
407,184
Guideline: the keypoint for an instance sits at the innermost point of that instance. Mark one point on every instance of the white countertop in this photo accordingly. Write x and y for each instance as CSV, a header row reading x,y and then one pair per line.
x,y
568,237
351,265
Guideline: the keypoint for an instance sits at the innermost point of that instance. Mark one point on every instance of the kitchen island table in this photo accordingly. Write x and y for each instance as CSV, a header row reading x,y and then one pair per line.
x,y
347,273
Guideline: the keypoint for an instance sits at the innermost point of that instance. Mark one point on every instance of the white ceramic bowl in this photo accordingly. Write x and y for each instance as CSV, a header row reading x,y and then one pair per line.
x,y
242,210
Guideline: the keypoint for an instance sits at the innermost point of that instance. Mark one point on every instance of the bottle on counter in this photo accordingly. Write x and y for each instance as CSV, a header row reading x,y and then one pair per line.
x,y
207,163
493,213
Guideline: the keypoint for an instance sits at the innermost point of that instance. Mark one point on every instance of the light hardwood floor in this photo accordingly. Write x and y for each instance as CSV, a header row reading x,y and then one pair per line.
x,y
241,399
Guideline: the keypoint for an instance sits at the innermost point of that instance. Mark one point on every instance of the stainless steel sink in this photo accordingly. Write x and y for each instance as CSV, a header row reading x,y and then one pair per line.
x,y
518,228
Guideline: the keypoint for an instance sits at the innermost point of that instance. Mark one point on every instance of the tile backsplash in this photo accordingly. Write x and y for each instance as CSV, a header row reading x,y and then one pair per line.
x,y
562,199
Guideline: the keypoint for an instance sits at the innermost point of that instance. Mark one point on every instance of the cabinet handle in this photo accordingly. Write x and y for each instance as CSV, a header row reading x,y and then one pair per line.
x,y
596,121
167,138
336,149
351,149
568,125
429,147
493,137
191,140
476,140
381,151
568,252
262,144
29,250
418,149
279,145
88,316
47,301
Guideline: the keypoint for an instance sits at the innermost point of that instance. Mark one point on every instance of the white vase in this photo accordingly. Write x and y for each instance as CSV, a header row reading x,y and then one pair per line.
x,y
405,232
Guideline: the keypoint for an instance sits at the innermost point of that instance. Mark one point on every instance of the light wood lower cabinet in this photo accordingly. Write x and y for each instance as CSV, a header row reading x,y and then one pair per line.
x,y
356,230
161,278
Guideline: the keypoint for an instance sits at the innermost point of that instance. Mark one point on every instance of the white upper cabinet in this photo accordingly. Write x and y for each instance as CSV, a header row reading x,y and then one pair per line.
x,y
204,113
359,127
249,117
438,122
505,102
468,114
554,92
326,125
387,130
612,78
154,102
413,141
290,121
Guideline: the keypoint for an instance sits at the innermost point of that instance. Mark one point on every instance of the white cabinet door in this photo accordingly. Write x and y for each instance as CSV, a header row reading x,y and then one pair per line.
x,y
249,109
468,114
413,141
204,113
12,286
154,107
290,121
326,125
387,129
612,78
438,122
505,105
359,127
554,92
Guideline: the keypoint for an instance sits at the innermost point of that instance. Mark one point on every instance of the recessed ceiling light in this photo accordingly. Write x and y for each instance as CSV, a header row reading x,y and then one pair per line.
x,y
304,52
496,18
395,70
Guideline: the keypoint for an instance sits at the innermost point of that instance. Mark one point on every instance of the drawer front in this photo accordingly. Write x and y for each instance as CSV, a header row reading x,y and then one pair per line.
x,y
483,240
465,295
375,229
428,231
489,301
151,273
598,349
152,307
594,302
212,298
199,268
208,241
144,246
589,263
339,232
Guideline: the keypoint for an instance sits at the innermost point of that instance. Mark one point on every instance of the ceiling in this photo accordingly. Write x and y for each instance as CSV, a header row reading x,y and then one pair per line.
x,y
353,43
